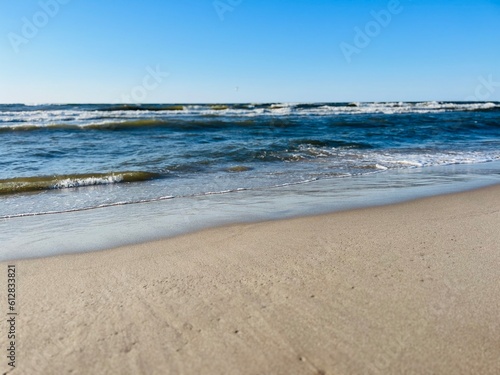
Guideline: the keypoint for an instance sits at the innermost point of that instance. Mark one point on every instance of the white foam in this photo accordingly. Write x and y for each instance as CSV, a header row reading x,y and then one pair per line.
x,y
85,117
400,160
90,181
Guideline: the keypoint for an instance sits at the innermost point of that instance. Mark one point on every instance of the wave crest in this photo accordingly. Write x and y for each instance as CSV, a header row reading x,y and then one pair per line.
x,y
32,184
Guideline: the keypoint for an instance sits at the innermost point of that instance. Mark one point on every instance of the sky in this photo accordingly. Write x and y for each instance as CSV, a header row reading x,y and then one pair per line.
x,y
215,51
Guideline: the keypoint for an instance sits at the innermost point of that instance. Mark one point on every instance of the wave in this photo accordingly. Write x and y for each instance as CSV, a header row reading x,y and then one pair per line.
x,y
128,116
110,125
183,124
32,184
330,143
487,109
210,121
142,107
27,128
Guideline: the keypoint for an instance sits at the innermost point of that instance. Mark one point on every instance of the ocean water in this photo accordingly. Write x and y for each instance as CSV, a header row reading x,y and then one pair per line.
x,y
62,161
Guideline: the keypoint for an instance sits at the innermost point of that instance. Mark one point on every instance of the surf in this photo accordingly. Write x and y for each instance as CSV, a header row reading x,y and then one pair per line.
x,y
40,183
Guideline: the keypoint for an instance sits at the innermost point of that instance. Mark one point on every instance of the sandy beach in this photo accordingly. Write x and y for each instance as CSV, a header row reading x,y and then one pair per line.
x,y
410,288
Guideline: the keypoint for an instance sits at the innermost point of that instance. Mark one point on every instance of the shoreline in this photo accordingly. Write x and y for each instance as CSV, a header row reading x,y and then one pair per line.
x,y
99,229
408,287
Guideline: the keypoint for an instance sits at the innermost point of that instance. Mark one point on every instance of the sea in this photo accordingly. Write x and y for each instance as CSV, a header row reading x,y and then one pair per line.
x,y
85,177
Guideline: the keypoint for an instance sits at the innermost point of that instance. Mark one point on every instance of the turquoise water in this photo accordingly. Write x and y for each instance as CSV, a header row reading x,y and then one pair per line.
x,y
95,169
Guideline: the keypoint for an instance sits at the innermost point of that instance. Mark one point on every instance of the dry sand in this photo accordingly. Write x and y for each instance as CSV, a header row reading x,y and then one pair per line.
x,y
412,288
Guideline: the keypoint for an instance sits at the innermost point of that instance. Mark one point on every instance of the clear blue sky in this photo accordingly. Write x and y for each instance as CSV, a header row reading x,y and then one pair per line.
x,y
262,51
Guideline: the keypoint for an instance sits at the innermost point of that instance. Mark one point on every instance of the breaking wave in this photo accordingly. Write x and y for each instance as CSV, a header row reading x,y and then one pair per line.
x,y
31,184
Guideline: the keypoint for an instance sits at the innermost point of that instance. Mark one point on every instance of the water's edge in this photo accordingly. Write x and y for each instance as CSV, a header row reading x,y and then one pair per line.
x,y
110,227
